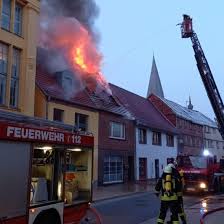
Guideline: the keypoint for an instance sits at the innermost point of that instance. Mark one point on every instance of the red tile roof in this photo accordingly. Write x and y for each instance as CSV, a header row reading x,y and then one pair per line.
x,y
50,86
142,109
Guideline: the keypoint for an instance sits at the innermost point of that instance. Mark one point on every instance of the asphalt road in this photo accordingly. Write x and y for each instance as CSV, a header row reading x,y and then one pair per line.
x,y
134,209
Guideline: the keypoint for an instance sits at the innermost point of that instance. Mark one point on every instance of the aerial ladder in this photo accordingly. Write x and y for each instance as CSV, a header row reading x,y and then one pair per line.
x,y
205,72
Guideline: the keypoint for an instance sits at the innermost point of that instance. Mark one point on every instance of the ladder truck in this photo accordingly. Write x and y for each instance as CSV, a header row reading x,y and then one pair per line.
x,y
205,175
205,72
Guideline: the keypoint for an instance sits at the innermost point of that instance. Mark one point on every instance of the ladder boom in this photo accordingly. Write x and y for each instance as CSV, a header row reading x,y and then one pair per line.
x,y
205,73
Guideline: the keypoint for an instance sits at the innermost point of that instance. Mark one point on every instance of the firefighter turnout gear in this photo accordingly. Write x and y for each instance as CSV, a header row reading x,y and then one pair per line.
x,y
169,186
180,206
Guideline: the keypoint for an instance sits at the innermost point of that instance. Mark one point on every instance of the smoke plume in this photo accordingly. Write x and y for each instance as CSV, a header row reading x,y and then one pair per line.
x,y
68,40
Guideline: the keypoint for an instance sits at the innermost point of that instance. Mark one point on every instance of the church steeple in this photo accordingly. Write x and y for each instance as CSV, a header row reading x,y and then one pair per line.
x,y
155,86
190,105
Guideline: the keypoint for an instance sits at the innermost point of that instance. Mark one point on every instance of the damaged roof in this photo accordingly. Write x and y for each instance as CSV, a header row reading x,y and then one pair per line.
x,y
143,110
50,86
188,114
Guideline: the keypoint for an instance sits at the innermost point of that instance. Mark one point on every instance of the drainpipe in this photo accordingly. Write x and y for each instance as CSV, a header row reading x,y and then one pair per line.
x,y
47,106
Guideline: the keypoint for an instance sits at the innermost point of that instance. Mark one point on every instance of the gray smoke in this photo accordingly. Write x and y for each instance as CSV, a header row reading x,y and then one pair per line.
x,y
63,25
85,11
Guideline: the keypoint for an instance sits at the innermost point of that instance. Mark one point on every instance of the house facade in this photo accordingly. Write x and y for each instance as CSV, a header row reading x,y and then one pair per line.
x,y
153,148
155,136
213,141
116,148
18,42
188,122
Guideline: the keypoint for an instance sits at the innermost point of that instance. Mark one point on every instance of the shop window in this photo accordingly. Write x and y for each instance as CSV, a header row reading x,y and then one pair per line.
x,y
58,115
113,169
117,130
156,138
78,176
81,122
47,175
170,140
18,19
142,136
14,88
6,14
3,71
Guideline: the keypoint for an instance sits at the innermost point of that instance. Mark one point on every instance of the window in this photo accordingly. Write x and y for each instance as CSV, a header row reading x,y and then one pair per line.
x,y
156,138
210,144
6,14
117,130
18,20
81,121
217,144
14,88
214,131
3,71
170,140
142,136
113,169
58,115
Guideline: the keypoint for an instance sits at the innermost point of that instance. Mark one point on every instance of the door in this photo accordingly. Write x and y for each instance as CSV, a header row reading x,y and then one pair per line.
x,y
142,168
156,168
130,168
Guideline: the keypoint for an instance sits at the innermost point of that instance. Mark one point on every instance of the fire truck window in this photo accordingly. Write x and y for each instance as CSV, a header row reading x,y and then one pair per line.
x,y
78,176
47,177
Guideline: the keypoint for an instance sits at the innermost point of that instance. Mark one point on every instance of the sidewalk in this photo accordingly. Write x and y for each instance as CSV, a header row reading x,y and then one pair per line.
x,y
120,190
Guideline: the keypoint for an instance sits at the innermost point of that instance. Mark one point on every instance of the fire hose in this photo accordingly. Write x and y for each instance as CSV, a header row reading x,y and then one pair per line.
x,y
209,213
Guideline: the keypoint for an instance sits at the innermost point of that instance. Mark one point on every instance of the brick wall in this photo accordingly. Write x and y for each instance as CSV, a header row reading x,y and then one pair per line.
x,y
163,108
105,142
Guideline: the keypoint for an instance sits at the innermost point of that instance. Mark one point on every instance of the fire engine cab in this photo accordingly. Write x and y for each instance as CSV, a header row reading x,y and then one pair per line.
x,y
45,171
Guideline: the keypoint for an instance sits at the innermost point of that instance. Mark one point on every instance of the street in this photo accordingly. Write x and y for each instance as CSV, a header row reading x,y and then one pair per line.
x,y
144,207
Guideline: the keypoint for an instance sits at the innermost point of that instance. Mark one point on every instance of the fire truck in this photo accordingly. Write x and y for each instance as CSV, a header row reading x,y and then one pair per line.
x,y
45,171
202,172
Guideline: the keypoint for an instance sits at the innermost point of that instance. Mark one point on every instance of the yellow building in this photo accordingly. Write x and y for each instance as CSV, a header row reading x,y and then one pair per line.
x,y
18,41
52,104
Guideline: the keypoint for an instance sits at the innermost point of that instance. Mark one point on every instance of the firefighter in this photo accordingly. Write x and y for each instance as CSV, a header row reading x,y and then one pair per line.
x,y
179,175
168,185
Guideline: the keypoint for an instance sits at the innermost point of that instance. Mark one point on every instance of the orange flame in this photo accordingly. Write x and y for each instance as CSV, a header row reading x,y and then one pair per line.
x,y
78,46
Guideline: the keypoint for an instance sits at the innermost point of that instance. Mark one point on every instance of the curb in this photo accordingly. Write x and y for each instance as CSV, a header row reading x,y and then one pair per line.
x,y
209,213
120,196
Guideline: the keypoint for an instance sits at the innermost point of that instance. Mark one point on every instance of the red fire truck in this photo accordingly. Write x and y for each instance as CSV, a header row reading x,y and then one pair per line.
x,y
45,172
201,173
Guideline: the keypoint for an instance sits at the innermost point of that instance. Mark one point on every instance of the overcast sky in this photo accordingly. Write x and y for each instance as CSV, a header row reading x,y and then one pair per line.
x,y
131,30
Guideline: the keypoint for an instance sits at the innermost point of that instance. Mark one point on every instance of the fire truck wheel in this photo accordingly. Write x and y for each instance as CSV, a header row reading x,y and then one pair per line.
x,y
49,216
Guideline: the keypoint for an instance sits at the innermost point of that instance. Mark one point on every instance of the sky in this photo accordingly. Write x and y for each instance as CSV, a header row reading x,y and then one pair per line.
x,y
133,30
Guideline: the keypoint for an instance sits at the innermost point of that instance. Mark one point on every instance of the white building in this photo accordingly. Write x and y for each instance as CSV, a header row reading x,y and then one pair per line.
x,y
153,148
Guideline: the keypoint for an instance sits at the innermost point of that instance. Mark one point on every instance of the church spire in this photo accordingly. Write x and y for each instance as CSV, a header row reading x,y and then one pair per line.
x,y
155,86
190,105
